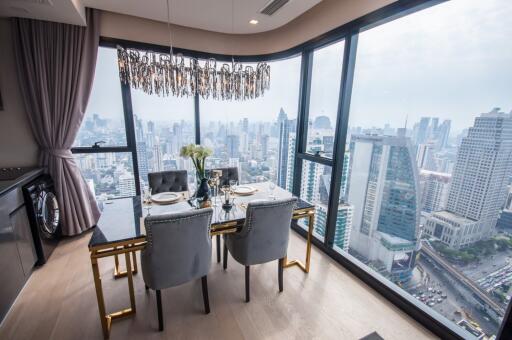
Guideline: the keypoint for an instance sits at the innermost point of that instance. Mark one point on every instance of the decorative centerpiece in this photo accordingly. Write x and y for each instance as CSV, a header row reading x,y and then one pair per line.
x,y
228,199
198,154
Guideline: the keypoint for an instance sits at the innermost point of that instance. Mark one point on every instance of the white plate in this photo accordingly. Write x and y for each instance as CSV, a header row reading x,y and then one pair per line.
x,y
244,190
165,197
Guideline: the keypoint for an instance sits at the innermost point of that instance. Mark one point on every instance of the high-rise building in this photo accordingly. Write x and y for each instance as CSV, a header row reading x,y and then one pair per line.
x,y
151,127
126,185
328,142
421,131
425,156
505,220
290,162
233,146
343,224
384,192
434,188
158,161
264,147
443,133
311,177
286,130
479,182
508,202
140,146
245,125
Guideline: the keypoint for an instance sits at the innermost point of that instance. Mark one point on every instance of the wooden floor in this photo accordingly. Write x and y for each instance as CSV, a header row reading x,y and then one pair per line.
x,y
59,302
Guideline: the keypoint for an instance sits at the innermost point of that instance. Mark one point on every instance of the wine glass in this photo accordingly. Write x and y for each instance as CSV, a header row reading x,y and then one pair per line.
x,y
271,186
147,199
233,184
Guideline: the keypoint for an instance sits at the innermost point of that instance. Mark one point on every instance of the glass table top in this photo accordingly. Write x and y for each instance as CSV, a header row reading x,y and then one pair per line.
x,y
122,219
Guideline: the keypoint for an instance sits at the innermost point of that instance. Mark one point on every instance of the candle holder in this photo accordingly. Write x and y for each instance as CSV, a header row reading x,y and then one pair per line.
x,y
227,199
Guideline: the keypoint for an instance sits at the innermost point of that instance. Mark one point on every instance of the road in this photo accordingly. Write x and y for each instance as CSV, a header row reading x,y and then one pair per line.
x,y
474,288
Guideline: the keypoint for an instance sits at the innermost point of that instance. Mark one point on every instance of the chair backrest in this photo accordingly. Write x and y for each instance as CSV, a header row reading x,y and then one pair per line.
x,y
174,181
266,230
230,173
178,248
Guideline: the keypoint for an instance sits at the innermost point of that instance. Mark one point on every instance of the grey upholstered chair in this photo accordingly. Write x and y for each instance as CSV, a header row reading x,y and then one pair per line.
x,y
263,238
228,174
178,250
165,181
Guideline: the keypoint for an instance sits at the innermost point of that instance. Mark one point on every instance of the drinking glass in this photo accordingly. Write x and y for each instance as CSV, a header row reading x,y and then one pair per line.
x,y
147,199
271,186
233,183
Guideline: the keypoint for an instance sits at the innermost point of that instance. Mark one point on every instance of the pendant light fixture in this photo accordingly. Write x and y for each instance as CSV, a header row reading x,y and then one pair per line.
x,y
173,74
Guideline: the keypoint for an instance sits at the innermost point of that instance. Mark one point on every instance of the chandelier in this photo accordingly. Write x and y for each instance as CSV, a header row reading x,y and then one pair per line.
x,y
170,74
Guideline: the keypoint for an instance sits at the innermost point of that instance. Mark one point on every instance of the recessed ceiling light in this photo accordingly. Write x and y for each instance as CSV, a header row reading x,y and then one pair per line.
x,y
253,22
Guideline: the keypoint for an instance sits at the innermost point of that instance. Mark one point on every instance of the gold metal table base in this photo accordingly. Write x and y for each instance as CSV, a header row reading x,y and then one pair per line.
x,y
121,248
118,273
310,214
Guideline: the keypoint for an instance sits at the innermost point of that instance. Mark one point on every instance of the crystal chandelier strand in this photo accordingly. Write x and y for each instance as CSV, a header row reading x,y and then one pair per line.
x,y
168,74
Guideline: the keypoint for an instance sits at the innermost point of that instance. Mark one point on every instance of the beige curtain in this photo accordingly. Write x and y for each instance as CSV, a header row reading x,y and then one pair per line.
x,y
56,65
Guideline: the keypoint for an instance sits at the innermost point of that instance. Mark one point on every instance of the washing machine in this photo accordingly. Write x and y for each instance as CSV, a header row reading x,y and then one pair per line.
x,y
44,216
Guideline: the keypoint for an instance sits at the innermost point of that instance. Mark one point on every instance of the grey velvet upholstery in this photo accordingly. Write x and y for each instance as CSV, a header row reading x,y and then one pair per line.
x,y
178,248
168,181
228,174
265,234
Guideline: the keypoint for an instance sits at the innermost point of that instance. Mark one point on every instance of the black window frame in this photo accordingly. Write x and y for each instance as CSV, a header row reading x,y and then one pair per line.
x,y
349,32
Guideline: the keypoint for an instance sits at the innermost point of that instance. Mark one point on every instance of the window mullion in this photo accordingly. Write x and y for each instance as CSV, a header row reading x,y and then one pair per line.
x,y
347,77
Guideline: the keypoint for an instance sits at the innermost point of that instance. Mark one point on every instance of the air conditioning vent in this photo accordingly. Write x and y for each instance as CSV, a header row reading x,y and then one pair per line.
x,y
273,6
37,2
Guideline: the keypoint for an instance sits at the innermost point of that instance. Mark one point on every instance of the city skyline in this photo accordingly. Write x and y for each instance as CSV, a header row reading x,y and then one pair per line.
x,y
377,72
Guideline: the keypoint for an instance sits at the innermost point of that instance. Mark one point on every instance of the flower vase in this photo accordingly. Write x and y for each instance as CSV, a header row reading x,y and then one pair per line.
x,y
203,189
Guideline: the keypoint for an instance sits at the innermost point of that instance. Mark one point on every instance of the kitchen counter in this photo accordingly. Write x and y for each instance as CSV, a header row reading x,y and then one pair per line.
x,y
27,175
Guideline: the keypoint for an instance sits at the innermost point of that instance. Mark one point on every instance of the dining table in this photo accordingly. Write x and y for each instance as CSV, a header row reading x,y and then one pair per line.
x,y
120,232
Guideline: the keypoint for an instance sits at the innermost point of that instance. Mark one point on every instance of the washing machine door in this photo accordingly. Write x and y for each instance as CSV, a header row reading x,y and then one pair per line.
x,y
48,213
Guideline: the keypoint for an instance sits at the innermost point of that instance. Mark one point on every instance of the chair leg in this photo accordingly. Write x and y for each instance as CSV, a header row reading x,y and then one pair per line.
x,y
218,248
225,262
247,288
280,274
204,283
159,309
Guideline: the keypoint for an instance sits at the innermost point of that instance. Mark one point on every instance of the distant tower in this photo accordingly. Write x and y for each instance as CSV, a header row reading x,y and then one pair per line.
x,y
383,189
264,147
286,127
434,190
158,162
421,134
126,185
233,146
142,155
479,182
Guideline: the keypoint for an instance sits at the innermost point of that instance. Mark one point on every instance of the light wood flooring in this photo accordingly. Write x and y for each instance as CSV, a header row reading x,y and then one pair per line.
x,y
59,302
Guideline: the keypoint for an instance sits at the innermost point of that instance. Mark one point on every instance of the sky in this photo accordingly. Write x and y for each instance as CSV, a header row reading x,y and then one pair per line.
x,y
452,61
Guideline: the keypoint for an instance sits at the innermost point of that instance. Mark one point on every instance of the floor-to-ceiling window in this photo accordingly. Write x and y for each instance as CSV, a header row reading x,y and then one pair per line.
x,y
321,111
427,159
258,135
101,146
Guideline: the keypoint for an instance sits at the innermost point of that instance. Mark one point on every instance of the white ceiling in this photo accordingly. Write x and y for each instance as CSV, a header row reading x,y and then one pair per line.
x,y
66,11
211,15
